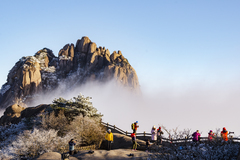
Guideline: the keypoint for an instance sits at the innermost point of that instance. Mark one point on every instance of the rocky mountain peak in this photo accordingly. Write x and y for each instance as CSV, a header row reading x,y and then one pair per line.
x,y
77,65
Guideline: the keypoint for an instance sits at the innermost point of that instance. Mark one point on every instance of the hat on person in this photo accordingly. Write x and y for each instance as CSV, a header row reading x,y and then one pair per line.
x,y
210,130
136,121
224,128
109,130
154,126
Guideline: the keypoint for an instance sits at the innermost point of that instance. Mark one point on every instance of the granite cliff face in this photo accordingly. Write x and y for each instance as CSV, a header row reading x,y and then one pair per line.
x,y
75,65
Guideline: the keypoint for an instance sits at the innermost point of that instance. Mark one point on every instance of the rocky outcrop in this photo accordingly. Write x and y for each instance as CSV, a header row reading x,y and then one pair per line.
x,y
66,55
74,65
25,79
15,113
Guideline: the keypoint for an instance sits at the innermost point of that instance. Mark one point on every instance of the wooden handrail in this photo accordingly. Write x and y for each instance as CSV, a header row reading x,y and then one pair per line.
x,y
144,134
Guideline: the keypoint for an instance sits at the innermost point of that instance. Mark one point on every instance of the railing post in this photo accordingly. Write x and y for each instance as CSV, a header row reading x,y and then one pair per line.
x,y
126,133
107,125
186,139
114,126
144,134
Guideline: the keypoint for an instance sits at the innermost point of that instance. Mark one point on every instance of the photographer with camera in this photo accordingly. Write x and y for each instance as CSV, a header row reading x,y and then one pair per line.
x,y
71,143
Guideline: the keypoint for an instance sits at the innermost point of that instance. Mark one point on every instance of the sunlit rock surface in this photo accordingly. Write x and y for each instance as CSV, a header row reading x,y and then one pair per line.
x,y
75,65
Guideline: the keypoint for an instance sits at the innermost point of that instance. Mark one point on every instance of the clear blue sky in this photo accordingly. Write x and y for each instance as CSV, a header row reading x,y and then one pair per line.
x,y
170,43
181,40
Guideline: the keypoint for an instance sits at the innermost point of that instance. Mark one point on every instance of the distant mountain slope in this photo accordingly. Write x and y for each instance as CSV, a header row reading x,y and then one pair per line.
x,y
74,66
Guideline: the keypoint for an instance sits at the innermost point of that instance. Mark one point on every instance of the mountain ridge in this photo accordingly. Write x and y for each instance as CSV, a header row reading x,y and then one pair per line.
x,y
74,65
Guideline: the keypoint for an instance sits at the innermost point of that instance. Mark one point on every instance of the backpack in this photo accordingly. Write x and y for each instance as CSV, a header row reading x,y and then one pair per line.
x,y
133,126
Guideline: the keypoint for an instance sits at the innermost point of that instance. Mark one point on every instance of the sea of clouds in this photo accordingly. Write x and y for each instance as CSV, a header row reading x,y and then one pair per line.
x,y
195,107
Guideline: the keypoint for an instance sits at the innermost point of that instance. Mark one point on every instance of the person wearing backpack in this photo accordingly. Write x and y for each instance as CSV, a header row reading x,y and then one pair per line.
x,y
134,126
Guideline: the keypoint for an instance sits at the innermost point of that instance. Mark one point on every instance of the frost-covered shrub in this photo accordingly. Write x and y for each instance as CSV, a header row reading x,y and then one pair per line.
x,y
80,105
183,149
52,130
89,129
176,133
36,142
32,143
8,133
196,151
57,122
85,129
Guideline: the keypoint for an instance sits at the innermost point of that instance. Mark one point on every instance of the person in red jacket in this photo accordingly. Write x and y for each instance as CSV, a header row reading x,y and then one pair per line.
x,y
159,135
210,135
224,134
134,142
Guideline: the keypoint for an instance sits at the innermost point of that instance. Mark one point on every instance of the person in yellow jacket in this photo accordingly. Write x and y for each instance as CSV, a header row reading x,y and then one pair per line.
x,y
109,138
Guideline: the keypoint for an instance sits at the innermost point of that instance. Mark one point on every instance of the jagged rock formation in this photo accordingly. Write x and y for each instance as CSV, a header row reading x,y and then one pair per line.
x,y
75,65
15,113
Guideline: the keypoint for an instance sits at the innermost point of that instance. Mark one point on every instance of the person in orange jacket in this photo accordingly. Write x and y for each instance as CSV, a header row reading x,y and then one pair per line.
x,y
224,134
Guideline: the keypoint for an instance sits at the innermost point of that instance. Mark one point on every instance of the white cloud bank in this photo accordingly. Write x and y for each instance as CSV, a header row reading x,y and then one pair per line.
x,y
195,107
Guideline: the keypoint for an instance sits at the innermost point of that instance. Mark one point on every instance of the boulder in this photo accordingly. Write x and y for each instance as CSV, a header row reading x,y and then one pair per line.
x,y
15,113
50,155
53,156
12,114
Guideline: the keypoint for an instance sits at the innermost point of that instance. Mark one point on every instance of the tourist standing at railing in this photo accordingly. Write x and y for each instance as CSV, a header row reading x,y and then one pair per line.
x,y
210,135
154,133
109,138
224,134
134,126
159,135
134,142
196,136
